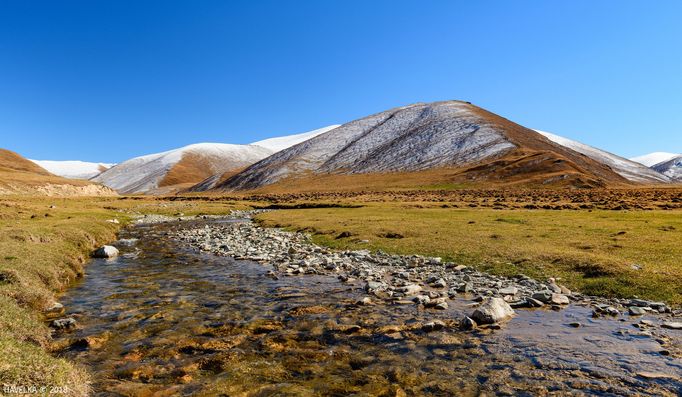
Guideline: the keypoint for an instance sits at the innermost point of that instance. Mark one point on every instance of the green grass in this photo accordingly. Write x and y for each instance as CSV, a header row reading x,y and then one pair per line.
x,y
591,251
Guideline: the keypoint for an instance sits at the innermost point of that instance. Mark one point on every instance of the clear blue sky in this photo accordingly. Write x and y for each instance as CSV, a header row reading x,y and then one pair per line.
x,y
109,80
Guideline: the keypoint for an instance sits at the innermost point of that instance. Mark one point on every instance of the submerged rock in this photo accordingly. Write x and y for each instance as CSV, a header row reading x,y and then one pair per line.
x,y
467,323
411,289
492,311
433,326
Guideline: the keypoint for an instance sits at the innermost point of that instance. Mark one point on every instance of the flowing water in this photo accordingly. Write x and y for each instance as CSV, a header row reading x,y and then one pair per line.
x,y
164,320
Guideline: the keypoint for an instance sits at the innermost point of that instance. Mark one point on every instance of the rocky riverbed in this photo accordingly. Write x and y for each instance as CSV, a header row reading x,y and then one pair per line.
x,y
415,279
272,314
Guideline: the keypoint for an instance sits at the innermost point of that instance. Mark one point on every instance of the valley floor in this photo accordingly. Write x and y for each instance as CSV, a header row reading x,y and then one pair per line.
x,y
603,253
608,243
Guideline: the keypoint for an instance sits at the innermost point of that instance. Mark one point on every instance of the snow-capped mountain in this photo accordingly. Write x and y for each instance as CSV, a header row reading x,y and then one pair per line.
x,y
631,170
189,164
429,136
671,168
281,143
74,169
652,159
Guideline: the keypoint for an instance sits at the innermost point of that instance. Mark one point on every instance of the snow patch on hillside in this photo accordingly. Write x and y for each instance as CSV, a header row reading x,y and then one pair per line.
x,y
652,159
631,170
74,169
280,143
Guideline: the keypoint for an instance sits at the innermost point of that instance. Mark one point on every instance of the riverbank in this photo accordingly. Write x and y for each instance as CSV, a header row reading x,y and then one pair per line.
x,y
45,243
404,279
165,317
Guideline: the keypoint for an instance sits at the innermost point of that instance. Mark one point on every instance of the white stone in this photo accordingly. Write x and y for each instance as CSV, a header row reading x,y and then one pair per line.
x,y
106,251
491,311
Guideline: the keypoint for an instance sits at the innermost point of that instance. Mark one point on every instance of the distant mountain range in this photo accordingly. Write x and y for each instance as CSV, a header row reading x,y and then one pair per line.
x,y
178,169
74,169
410,146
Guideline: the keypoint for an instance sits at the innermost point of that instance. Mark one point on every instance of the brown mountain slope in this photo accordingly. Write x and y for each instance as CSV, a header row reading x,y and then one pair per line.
x,y
445,142
10,160
195,167
21,176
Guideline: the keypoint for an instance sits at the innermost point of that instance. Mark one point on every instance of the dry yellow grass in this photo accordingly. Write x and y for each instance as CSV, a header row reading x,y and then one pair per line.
x,y
592,251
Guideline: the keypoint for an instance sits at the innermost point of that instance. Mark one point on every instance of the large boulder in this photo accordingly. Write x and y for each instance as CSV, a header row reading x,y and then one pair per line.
x,y
491,311
106,251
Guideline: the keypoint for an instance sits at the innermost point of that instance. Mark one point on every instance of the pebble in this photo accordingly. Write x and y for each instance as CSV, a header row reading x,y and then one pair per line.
x,y
467,323
636,311
672,325
433,326
67,323
509,291
560,299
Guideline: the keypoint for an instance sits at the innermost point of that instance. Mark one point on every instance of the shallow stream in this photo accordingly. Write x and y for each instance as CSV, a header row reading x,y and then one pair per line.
x,y
164,320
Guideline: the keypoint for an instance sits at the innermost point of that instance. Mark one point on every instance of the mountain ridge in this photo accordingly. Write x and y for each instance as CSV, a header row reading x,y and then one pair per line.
x,y
421,136
671,168
654,158
629,169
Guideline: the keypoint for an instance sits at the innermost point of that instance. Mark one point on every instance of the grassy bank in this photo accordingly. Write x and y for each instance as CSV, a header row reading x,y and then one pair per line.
x,y
42,250
606,253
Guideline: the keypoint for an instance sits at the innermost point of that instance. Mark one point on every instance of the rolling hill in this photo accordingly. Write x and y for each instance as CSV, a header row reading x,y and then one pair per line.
x,y
440,142
204,164
19,175
179,168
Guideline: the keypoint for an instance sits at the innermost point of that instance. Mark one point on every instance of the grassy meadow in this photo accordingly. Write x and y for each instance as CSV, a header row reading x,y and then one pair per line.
x,y
45,242
605,253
